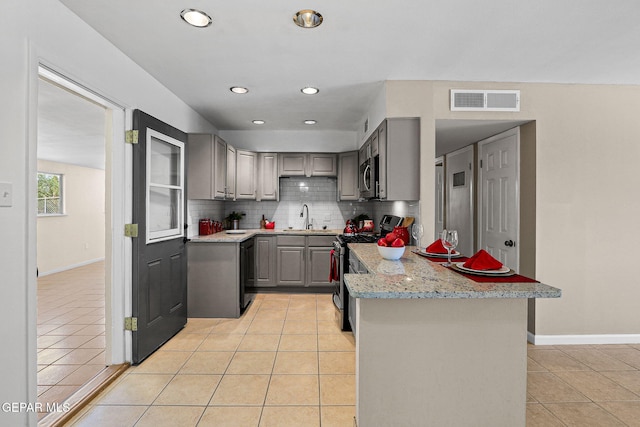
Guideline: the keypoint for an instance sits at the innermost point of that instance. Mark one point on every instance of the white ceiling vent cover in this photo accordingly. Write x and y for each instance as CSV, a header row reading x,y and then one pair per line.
x,y
485,100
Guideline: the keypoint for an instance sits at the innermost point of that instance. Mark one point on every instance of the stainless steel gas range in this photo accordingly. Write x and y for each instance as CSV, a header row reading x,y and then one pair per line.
x,y
340,258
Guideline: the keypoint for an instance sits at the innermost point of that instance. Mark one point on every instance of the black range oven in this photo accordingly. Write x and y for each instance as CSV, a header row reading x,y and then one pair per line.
x,y
340,258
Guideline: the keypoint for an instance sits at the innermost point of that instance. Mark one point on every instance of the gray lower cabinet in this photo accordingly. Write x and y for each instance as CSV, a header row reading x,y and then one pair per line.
x,y
291,260
303,260
319,260
213,284
318,266
265,261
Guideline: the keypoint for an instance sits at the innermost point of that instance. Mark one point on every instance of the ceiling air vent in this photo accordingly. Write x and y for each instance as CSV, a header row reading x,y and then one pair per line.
x,y
485,100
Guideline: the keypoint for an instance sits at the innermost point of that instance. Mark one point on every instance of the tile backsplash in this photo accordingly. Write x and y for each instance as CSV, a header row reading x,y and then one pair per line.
x,y
320,195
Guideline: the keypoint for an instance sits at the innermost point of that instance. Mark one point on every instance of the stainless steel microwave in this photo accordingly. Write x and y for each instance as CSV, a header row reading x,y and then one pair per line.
x,y
367,179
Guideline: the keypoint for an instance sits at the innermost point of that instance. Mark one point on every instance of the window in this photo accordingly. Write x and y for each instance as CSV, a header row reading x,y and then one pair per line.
x,y
50,194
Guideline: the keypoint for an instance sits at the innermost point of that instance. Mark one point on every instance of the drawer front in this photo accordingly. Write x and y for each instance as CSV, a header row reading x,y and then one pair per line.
x,y
291,240
321,240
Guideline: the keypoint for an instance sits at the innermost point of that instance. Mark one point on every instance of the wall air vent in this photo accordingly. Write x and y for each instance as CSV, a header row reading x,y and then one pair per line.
x,y
485,100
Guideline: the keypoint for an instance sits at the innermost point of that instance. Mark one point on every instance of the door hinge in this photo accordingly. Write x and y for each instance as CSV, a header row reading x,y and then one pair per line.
x,y
131,137
131,230
131,324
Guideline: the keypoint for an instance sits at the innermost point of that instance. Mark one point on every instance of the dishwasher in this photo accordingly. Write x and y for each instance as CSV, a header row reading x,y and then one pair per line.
x,y
355,267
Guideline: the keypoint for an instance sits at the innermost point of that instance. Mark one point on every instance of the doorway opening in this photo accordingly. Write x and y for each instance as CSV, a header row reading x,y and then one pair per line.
x,y
82,264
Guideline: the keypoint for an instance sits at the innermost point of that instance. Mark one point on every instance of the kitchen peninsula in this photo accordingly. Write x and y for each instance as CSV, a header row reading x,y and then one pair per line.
x,y
435,348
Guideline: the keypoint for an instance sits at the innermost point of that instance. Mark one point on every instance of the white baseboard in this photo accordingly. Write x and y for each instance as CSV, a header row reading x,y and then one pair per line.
x,y
69,267
583,339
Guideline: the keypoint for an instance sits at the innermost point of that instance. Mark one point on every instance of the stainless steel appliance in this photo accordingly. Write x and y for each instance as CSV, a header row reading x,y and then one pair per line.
x,y
367,176
340,256
388,222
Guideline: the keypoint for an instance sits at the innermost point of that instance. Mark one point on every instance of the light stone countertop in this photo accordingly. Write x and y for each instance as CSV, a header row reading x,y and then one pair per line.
x,y
413,276
223,237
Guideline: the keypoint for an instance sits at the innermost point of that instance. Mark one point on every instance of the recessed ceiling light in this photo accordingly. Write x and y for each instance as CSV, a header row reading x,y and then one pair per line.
x,y
196,18
258,122
309,90
310,122
238,89
307,18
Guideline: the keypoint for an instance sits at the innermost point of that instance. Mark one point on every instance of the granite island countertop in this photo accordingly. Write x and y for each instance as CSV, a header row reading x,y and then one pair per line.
x,y
224,237
413,276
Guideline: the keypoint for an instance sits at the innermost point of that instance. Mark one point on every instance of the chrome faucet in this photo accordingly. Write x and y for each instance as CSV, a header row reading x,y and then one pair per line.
x,y
307,224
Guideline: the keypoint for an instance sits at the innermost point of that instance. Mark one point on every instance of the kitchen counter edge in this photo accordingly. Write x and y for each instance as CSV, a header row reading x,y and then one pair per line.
x,y
413,277
223,237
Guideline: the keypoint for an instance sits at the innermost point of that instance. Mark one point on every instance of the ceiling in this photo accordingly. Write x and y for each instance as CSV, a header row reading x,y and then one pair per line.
x,y
71,129
255,44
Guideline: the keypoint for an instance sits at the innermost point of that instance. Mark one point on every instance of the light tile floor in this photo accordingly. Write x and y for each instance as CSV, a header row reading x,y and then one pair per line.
x,y
70,330
286,363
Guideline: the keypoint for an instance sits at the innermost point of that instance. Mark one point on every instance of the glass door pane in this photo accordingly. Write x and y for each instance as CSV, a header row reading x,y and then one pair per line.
x,y
165,187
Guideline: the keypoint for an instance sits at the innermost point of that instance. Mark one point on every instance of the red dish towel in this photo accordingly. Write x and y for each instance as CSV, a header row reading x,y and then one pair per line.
x,y
436,248
483,261
333,272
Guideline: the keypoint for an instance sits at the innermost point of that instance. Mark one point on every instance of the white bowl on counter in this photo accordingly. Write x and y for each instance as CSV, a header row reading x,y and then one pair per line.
x,y
391,253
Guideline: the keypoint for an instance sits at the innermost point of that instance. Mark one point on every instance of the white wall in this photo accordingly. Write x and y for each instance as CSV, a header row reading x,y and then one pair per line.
x,y
586,190
77,237
44,30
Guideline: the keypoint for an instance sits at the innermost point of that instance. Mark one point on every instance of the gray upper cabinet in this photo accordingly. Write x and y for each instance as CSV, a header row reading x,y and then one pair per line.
x,y
246,169
231,173
220,168
207,169
348,176
399,159
323,164
374,143
307,164
292,164
200,178
267,176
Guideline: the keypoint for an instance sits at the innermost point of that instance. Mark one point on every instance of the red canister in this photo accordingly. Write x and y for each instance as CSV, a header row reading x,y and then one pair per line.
x,y
402,233
205,227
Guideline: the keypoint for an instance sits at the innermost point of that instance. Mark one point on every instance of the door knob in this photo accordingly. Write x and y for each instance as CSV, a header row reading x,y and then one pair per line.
x,y
509,243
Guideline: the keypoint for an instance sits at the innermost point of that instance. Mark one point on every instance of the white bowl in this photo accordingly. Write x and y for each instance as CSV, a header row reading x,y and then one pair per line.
x,y
388,252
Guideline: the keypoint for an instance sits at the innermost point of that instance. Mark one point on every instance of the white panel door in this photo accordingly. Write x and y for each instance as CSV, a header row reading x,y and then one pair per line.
x,y
499,211
459,197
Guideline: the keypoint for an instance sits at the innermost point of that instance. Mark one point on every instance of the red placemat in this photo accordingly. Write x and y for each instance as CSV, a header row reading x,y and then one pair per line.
x,y
516,278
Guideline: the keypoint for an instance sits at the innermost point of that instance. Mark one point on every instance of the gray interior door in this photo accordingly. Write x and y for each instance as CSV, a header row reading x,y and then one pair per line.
x,y
159,299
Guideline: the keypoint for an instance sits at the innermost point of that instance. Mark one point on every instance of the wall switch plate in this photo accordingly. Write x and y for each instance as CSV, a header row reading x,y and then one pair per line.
x,y
6,194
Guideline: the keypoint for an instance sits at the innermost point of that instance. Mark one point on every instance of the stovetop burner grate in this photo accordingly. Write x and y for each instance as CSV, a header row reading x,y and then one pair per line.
x,y
358,238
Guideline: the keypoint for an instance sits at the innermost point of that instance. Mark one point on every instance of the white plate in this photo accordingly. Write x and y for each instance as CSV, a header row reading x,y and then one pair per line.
x,y
501,271
236,231
454,254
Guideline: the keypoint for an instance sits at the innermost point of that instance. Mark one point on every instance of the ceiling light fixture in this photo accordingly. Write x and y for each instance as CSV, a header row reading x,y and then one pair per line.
x,y
310,122
238,89
196,18
258,122
309,90
307,18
